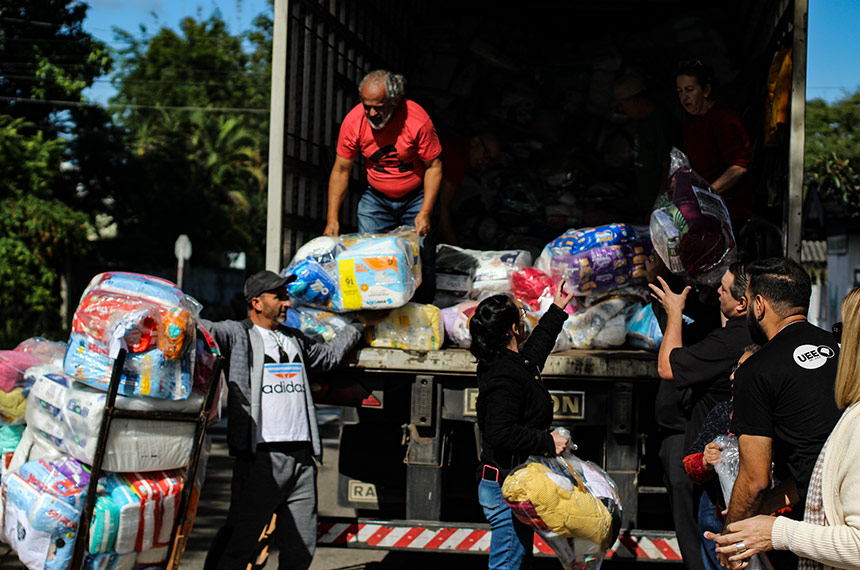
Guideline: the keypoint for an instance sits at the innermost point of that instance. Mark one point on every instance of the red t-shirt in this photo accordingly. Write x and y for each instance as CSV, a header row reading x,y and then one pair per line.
x,y
715,141
394,155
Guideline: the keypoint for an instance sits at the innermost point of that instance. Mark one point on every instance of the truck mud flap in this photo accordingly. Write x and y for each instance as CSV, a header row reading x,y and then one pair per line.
x,y
473,538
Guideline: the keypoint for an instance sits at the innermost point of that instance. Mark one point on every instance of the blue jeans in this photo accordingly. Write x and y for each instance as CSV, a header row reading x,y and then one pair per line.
x,y
511,542
709,520
377,214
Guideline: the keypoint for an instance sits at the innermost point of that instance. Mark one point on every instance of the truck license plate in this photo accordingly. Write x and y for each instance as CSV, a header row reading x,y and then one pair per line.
x,y
360,492
566,404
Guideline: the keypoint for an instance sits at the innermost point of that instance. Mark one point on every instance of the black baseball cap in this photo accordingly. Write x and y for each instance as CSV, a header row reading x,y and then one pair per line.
x,y
263,281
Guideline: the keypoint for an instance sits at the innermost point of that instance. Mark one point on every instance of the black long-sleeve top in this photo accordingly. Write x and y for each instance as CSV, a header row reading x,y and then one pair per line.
x,y
514,406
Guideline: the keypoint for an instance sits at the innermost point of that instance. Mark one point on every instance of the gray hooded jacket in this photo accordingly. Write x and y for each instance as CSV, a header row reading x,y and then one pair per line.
x,y
242,346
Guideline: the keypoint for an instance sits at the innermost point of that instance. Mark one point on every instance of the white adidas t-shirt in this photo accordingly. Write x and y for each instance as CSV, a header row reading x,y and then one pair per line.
x,y
283,404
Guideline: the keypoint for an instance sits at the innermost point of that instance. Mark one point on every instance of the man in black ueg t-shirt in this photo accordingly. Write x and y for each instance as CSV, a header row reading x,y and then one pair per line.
x,y
784,404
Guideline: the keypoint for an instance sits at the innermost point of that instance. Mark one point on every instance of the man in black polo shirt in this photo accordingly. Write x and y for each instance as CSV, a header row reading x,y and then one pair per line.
x,y
700,373
784,404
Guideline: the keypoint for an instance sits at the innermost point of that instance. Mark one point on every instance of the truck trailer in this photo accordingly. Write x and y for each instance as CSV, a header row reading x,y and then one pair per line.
x,y
538,75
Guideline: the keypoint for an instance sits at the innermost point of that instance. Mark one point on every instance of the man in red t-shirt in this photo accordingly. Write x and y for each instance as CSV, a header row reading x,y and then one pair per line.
x,y
401,154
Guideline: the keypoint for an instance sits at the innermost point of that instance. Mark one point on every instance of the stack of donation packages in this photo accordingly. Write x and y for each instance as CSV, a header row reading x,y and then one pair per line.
x,y
604,266
363,272
167,368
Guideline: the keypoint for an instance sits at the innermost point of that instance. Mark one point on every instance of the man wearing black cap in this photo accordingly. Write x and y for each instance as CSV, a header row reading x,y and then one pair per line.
x,y
272,426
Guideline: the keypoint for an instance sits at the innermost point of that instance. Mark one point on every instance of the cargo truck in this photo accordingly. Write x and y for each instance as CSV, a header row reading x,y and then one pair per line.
x,y
408,451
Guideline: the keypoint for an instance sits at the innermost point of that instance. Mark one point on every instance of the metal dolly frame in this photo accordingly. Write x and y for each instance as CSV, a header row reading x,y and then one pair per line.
x,y
178,536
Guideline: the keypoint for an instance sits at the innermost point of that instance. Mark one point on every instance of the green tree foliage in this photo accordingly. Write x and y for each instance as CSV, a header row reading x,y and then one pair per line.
x,y
46,61
832,160
46,56
38,233
198,140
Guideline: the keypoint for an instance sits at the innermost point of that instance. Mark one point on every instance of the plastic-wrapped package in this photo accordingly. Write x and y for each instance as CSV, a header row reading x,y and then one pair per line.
x,y
456,321
530,284
47,351
30,448
146,312
580,330
455,270
475,273
378,272
313,284
572,504
149,373
315,268
613,334
575,241
494,270
104,525
43,508
357,271
63,477
148,316
643,329
133,445
147,504
13,364
411,327
317,324
47,401
690,226
68,416
600,269
41,541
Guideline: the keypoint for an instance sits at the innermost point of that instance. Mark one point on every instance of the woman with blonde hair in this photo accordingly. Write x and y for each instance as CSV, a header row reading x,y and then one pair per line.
x,y
829,535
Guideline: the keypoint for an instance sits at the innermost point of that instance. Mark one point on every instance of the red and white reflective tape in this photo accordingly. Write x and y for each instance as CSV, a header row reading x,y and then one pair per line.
x,y
465,539
377,535
644,547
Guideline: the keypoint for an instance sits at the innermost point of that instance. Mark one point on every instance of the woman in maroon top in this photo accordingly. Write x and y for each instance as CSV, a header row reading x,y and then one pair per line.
x,y
715,140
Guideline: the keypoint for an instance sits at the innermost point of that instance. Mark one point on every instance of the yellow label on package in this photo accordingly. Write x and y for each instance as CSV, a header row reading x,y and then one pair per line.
x,y
348,285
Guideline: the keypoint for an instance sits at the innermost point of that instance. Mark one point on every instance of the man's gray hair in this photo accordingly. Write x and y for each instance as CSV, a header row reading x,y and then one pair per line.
x,y
394,83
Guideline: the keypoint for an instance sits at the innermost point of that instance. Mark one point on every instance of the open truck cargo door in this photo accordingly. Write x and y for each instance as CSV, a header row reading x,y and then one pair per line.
x,y
513,70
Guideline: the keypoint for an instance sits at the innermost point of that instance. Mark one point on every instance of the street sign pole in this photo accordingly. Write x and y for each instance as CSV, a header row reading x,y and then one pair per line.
x,y
182,250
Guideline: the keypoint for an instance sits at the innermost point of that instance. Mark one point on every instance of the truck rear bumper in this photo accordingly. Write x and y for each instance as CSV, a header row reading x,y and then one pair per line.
x,y
473,538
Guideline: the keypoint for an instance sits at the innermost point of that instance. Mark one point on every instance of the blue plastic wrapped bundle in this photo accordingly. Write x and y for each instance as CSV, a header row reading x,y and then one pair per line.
x,y
313,284
578,240
148,374
643,330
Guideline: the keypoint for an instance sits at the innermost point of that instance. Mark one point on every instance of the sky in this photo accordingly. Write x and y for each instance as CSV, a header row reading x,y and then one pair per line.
x,y
833,68
129,15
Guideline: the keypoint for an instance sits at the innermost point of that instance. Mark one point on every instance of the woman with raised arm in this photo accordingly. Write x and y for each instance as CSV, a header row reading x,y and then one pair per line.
x,y
514,411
